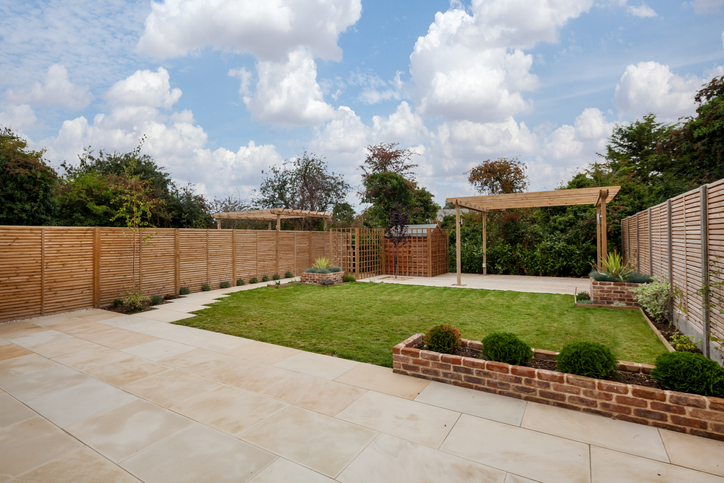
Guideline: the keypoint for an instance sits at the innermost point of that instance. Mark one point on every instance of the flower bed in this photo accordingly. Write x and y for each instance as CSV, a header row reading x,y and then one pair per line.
x,y
687,413
316,278
606,293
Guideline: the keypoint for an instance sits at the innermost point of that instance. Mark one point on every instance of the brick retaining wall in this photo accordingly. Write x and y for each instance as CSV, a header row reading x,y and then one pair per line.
x,y
686,413
606,293
317,278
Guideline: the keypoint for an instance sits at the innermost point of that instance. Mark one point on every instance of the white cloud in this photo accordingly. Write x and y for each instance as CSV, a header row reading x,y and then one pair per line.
x,y
245,77
642,11
703,7
652,87
471,66
269,29
144,88
56,90
288,93
18,118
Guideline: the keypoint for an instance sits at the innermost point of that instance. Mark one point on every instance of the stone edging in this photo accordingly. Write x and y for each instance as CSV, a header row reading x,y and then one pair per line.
x,y
686,413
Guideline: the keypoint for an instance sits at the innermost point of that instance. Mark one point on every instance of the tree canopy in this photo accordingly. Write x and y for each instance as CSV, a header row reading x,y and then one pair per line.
x,y
386,158
504,175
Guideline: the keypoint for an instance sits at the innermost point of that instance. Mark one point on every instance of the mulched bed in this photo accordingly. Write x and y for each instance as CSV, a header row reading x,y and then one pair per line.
x,y
123,309
669,331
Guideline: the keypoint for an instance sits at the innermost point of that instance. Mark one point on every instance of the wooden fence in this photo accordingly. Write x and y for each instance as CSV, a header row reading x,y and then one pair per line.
x,y
45,270
425,254
683,240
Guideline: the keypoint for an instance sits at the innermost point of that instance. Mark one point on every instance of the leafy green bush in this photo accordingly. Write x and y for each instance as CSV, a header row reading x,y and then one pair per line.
x,y
276,276
254,280
684,343
225,285
117,303
582,296
289,275
264,278
135,301
442,338
156,299
589,359
506,347
689,372
322,262
184,291
240,282
348,278
614,264
327,281
206,287
654,297
334,269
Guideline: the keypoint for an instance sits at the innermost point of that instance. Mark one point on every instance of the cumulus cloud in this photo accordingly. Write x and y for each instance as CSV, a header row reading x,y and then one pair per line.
x,y
269,30
55,90
471,64
287,93
642,11
144,88
703,7
652,87
18,118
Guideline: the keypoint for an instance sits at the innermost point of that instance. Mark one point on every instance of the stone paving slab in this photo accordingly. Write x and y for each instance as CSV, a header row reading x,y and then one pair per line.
x,y
99,396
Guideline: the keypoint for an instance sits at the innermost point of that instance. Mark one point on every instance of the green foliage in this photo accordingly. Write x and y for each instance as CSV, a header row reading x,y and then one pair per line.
x,y
225,285
27,183
334,269
117,302
135,301
589,359
240,282
184,291
614,264
313,270
582,296
500,176
386,190
348,278
254,280
289,275
206,287
506,347
386,158
689,372
442,338
265,278
156,299
683,343
343,215
276,276
327,281
322,262
654,297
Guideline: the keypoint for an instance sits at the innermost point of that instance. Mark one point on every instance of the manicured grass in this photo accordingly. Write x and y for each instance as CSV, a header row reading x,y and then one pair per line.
x,y
363,321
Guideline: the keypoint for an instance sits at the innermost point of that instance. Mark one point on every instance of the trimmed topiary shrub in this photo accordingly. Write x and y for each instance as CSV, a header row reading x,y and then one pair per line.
x,y
276,276
184,291
442,338
254,280
156,299
348,278
506,347
589,359
264,278
206,287
334,269
240,282
289,275
689,372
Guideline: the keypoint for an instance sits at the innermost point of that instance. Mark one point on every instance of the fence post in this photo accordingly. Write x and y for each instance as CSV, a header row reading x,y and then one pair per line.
x,y
207,258
140,260
651,249
177,262
96,267
356,252
233,257
42,271
429,252
638,245
704,222
671,260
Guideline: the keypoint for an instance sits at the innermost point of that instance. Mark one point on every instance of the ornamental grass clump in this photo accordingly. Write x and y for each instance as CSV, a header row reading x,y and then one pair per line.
x,y
689,372
322,263
442,338
589,359
506,347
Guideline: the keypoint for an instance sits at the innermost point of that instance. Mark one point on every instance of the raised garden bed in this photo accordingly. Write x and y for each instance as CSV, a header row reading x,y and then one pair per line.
x,y
606,293
316,278
687,413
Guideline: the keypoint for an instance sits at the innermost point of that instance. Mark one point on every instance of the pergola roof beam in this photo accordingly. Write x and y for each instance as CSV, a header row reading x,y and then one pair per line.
x,y
270,214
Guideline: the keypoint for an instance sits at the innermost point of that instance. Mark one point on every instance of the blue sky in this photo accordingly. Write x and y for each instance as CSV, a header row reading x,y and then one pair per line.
x,y
222,89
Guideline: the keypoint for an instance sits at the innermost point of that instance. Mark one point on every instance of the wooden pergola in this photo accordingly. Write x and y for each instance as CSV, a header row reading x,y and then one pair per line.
x,y
274,214
583,196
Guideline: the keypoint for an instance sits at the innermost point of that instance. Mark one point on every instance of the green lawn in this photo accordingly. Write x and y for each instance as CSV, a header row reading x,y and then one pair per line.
x,y
363,321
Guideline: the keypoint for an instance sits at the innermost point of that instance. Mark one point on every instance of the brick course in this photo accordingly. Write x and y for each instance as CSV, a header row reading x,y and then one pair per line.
x,y
316,278
687,413
606,293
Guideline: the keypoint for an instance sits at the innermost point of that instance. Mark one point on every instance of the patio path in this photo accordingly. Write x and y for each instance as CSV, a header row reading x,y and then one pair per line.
x,y
98,396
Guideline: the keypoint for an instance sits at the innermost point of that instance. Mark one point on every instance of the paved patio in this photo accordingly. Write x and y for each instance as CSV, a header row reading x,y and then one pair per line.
x,y
97,396
515,283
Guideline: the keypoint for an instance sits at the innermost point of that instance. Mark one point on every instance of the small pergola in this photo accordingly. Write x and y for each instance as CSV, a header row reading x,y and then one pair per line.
x,y
566,197
273,214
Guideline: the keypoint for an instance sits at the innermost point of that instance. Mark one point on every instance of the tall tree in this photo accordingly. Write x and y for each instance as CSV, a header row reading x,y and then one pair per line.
x,y
387,158
504,175
27,183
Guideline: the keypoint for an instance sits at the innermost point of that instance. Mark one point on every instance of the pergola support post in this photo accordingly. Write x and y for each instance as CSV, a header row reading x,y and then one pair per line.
x,y
279,227
457,243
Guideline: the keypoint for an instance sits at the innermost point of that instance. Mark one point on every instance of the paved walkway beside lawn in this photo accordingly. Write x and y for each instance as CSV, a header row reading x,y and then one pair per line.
x,y
94,396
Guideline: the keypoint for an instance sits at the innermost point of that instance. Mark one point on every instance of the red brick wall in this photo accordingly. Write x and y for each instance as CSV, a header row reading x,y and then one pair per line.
x,y
607,293
318,277
687,413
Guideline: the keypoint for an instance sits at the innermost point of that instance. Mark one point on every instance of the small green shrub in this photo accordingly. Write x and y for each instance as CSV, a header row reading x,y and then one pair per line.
x,y
322,262
618,303
276,276
615,264
506,347
683,343
289,275
689,372
334,269
135,301
156,299
254,280
654,297
348,278
311,270
327,281
589,359
225,285
206,287
184,291
637,277
442,338
264,278
582,296
117,303
240,282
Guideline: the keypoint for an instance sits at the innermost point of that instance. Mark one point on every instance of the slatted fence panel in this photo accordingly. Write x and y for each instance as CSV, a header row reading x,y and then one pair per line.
x,y
157,265
21,269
